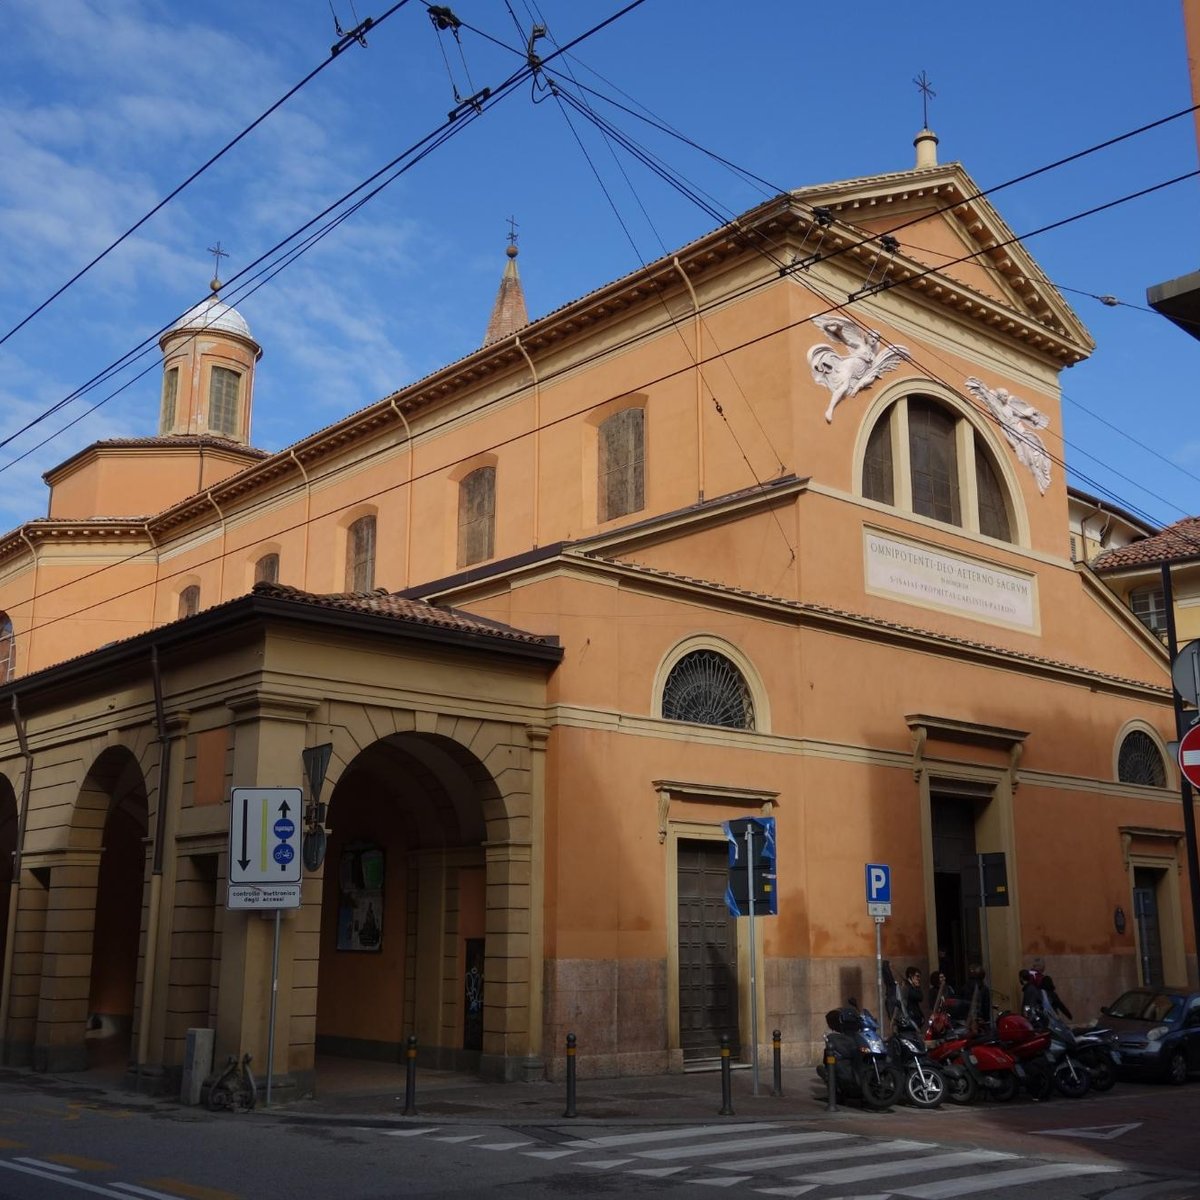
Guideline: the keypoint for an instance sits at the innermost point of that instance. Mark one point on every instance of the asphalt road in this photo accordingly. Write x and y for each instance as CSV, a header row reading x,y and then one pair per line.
x,y
1136,1143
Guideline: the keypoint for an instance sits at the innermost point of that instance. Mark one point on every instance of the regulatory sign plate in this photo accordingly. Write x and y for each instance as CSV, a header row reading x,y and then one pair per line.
x,y
879,890
1189,755
264,836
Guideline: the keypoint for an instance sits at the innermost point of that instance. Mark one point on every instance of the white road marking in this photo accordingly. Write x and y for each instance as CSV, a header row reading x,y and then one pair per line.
x,y
656,1172
141,1191
965,1185
410,1132
1096,1133
721,1182
603,1164
459,1137
46,1166
911,1166
666,1135
548,1153
788,1191
501,1145
756,1143
843,1152
66,1180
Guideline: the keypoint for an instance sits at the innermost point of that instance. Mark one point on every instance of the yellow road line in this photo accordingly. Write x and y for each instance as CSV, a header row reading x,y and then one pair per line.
x,y
192,1190
80,1164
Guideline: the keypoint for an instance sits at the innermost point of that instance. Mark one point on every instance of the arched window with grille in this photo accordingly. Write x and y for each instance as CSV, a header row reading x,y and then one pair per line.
x,y
189,600
621,470
1140,761
706,688
266,569
477,516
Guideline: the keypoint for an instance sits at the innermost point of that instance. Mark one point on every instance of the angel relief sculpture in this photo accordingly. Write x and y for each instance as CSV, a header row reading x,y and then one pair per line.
x,y
848,374
1018,420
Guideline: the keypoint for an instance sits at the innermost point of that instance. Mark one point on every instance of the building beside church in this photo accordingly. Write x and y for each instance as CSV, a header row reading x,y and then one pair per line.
x,y
776,525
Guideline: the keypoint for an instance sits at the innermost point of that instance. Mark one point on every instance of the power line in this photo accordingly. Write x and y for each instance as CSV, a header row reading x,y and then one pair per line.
x,y
354,36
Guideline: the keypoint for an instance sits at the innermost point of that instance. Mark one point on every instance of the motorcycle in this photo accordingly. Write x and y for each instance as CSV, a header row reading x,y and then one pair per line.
x,y
925,1083
1071,1077
1097,1050
862,1067
997,1063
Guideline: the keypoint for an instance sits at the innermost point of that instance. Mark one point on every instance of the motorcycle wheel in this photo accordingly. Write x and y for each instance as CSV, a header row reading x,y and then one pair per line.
x,y
925,1087
1005,1089
881,1088
1038,1082
1071,1079
961,1088
1103,1073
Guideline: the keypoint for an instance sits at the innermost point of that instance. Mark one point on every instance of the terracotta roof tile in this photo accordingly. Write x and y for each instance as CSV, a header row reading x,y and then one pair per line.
x,y
1178,541
383,603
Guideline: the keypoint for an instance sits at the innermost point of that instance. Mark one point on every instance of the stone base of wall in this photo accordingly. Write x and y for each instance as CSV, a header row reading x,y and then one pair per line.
x,y
18,1054
60,1058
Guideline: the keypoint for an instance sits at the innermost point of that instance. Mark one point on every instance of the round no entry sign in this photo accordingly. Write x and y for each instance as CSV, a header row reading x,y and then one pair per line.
x,y
1189,756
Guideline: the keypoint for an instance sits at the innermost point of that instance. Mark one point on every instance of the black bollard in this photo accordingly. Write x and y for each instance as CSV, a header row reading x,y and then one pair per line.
x,y
831,1075
570,1076
726,1109
777,1053
410,1076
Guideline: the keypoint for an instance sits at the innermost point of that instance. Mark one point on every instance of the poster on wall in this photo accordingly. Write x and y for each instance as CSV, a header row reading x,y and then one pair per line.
x,y
360,899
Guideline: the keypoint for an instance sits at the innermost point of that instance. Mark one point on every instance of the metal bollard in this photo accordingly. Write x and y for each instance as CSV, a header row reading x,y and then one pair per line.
x,y
570,1076
410,1076
831,1075
726,1109
777,1053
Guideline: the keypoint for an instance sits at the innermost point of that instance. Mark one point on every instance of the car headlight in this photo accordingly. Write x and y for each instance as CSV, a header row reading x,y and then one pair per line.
x,y
1159,1031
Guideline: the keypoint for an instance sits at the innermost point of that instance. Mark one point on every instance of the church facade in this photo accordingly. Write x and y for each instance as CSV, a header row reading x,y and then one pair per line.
x,y
776,526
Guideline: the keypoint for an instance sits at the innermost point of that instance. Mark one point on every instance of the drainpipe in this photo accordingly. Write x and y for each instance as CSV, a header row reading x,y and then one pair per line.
x,y
156,870
14,891
699,372
221,569
537,441
408,508
307,518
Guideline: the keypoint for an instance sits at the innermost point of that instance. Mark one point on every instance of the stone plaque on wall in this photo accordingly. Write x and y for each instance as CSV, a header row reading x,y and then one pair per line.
x,y
935,578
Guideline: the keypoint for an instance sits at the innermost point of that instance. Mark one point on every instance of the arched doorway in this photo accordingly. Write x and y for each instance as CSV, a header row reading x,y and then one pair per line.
x,y
111,819
403,940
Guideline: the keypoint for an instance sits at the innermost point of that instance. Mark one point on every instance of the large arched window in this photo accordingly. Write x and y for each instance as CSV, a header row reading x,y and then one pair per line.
x,y
1140,761
360,555
189,600
925,456
706,688
8,649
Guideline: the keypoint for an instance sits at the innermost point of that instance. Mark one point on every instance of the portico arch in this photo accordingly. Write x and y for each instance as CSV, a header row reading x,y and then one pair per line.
x,y
426,910
93,920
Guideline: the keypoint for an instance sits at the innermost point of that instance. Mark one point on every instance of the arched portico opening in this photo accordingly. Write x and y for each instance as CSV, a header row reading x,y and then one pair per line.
x,y
417,860
94,911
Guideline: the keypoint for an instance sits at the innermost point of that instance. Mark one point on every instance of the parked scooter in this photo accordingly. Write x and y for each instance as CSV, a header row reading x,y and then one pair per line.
x,y
1097,1050
925,1082
997,1061
1070,1074
863,1070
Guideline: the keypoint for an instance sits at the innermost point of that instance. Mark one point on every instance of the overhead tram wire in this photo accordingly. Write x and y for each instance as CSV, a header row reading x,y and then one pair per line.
x,y
355,36
420,148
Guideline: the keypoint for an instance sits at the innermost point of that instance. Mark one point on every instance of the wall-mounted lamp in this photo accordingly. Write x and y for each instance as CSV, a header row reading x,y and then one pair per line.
x,y
1119,919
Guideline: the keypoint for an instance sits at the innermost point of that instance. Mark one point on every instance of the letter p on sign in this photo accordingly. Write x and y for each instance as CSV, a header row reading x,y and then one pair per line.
x,y
879,884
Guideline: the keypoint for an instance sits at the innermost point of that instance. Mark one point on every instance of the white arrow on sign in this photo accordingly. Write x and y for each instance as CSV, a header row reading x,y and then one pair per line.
x,y
1095,1133
263,836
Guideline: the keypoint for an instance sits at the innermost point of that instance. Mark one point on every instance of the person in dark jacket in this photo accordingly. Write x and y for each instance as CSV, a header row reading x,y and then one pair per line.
x,y
1038,969
979,997
912,995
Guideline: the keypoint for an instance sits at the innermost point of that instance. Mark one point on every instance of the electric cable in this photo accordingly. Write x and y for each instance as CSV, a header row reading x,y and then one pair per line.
x,y
346,39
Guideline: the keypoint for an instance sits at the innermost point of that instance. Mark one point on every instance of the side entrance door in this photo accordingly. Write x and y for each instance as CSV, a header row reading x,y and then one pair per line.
x,y
708,976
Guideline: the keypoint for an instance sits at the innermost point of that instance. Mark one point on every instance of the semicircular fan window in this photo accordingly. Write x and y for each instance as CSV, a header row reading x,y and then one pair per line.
x,y
705,688
1140,761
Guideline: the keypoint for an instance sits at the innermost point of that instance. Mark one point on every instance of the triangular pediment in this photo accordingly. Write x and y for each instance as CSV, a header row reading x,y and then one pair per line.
x,y
941,221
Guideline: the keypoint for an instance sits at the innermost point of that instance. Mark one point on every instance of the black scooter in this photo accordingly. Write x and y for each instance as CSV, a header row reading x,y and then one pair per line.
x,y
863,1070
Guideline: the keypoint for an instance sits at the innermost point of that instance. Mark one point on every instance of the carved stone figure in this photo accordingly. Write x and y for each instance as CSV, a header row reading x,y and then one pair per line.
x,y
1018,420
848,374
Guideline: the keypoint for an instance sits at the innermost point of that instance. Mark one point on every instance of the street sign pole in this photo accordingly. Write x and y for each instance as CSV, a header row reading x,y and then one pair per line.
x,y
753,963
274,1001
879,906
879,967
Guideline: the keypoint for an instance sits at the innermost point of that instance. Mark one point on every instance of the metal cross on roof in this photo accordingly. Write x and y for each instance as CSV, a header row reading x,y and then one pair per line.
x,y
512,231
922,82
217,254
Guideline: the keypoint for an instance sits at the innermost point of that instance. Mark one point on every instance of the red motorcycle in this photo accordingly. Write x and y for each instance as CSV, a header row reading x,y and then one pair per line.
x,y
995,1064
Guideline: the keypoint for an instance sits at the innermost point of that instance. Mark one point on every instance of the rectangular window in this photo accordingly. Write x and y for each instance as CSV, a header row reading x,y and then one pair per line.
x,y
934,454
477,516
189,601
1150,607
223,388
622,464
360,555
266,570
170,393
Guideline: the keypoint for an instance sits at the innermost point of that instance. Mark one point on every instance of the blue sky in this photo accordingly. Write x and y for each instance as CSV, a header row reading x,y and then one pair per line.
x,y
105,107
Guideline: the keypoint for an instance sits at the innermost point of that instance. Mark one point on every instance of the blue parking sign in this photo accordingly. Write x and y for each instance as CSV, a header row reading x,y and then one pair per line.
x,y
879,883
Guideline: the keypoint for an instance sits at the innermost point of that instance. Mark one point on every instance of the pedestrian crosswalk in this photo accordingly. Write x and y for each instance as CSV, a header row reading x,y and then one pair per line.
x,y
775,1159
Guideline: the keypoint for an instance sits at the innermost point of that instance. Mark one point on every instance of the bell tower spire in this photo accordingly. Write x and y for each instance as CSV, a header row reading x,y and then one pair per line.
x,y
509,313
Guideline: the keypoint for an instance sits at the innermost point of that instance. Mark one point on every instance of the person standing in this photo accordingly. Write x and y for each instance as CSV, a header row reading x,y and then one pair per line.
x,y
1038,969
912,997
